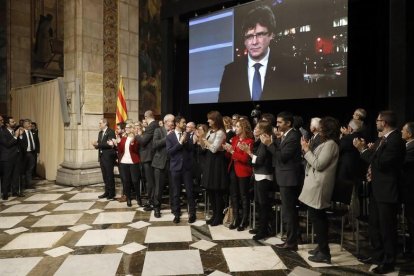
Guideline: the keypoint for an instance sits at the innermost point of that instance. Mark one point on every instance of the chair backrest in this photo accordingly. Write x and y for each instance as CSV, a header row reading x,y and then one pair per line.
x,y
343,191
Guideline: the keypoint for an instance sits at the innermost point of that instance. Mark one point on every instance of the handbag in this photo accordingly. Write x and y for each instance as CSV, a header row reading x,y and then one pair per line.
x,y
228,216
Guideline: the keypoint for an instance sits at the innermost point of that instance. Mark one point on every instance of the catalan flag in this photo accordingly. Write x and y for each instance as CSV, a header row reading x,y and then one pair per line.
x,y
121,108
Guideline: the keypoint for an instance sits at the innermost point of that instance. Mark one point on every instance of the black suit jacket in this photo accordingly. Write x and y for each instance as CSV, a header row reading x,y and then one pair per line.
x,y
287,159
160,151
386,162
263,164
408,175
146,151
105,151
283,80
25,142
181,155
9,146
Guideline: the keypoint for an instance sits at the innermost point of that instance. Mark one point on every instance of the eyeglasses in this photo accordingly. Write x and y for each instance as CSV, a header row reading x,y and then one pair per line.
x,y
378,120
259,35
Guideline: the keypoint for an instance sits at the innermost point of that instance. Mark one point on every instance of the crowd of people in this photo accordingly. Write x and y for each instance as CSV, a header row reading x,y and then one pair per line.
x,y
229,158
19,149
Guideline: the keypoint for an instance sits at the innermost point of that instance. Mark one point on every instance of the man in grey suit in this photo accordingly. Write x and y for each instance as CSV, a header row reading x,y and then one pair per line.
x,y
160,160
146,154
286,151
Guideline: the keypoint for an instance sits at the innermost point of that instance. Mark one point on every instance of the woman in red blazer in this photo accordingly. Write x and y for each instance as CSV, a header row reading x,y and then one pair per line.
x,y
240,171
128,157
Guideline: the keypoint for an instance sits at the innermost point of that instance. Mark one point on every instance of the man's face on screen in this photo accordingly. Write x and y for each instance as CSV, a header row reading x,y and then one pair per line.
x,y
257,42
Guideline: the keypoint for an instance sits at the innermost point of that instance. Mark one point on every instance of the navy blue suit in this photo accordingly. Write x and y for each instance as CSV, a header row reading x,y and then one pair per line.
x,y
181,162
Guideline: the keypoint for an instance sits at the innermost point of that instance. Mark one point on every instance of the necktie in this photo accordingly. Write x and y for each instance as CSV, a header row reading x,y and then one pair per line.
x,y
31,144
257,83
179,136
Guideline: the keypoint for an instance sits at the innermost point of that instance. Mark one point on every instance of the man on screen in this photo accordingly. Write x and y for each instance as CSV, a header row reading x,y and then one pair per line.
x,y
264,74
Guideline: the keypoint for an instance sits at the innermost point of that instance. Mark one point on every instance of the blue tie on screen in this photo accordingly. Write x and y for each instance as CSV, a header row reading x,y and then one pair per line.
x,y
257,83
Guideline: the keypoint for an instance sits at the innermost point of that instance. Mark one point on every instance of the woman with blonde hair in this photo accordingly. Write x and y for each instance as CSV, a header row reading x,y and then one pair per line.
x,y
128,158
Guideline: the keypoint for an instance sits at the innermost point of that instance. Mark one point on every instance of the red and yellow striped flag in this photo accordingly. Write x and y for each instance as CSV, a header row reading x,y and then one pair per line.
x,y
121,108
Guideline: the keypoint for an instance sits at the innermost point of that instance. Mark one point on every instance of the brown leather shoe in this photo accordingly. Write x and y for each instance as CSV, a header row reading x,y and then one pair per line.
x,y
285,245
122,198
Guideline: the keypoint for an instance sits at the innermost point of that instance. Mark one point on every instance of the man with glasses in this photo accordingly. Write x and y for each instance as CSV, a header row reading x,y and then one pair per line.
x,y
263,74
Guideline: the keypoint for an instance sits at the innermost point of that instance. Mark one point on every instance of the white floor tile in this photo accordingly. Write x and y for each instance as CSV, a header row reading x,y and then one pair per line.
x,y
252,258
301,271
9,203
166,215
80,227
63,189
93,211
16,230
115,204
59,201
338,257
58,220
24,208
74,206
59,251
91,265
218,273
114,217
40,213
102,237
131,248
220,233
139,224
85,196
34,240
199,223
18,266
73,192
43,197
9,222
273,241
203,245
174,262
164,234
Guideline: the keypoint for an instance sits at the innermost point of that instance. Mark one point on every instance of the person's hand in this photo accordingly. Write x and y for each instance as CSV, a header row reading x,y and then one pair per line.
x,y
304,144
244,147
360,144
227,147
94,143
183,138
110,142
344,130
266,139
277,133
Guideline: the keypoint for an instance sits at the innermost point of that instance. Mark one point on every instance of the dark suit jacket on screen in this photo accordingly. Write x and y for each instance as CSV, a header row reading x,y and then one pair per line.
x,y
283,80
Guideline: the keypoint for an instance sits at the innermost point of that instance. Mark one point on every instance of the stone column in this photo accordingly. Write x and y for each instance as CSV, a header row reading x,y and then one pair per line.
x,y
83,65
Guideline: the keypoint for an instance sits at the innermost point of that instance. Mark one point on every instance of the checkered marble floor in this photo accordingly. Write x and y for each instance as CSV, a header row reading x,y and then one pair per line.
x,y
58,230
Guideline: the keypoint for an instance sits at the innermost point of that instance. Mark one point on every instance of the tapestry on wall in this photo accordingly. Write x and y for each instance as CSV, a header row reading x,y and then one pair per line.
x,y
150,56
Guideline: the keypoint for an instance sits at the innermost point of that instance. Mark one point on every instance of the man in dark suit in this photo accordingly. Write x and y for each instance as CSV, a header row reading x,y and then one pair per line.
x,y
263,74
408,182
9,157
386,158
30,149
160,161
287,158
180,149
146,153
106,157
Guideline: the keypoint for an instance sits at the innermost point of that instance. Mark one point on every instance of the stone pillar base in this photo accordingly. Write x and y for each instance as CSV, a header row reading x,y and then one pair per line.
x,y
72,174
